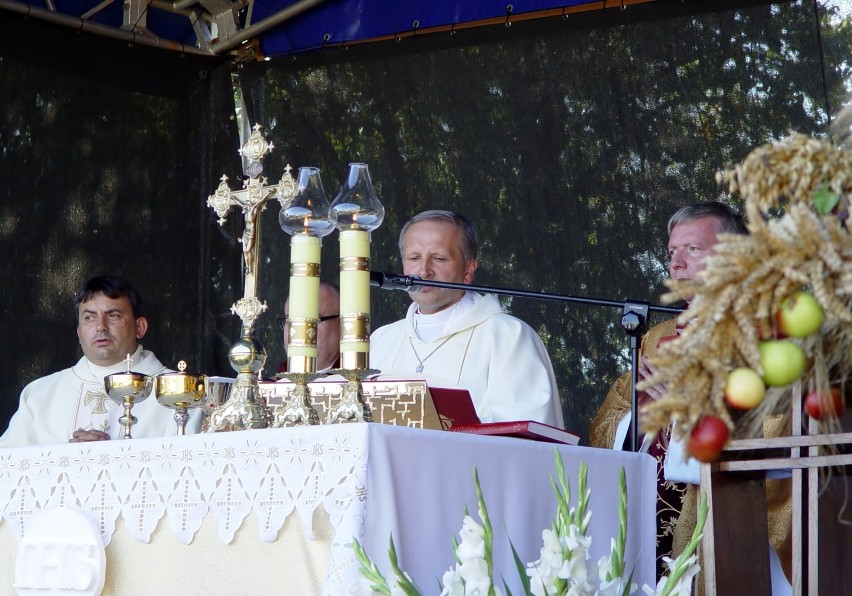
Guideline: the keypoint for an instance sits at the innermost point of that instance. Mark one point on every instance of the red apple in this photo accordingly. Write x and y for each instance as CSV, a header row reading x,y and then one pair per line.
x,y
707,438
800,315
744,389
782,361
822,404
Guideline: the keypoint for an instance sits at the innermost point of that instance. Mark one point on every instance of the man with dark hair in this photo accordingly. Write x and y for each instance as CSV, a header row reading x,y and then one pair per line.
x,y
454,338
72,405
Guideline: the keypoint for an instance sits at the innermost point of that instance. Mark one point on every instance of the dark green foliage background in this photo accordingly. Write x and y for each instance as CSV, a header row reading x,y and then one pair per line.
x,y
569,142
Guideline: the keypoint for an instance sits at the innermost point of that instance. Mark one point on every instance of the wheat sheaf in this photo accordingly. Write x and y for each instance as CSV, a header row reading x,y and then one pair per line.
x,y
796,195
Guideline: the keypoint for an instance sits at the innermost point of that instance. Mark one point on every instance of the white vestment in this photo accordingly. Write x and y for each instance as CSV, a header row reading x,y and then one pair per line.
x,y
498,358
53,407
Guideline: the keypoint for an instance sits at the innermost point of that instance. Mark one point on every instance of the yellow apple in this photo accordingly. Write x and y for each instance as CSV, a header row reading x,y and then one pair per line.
x,y
782,361
744,389
800,315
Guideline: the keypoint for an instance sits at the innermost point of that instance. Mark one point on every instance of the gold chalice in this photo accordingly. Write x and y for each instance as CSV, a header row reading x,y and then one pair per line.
x,y
181,391
128,388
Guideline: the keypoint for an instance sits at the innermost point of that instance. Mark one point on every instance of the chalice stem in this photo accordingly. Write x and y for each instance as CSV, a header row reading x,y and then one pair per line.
x,y
181,417
127,420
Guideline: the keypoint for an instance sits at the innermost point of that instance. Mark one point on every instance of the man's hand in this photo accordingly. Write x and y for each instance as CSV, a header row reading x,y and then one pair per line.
x,y
651,393
85,436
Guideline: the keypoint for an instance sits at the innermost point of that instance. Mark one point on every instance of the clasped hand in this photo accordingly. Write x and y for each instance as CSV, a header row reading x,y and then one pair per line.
x,y
84,436
651,393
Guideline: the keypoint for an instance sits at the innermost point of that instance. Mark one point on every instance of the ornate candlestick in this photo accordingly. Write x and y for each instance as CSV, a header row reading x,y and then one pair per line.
x,y
128,388
355,212
306,220
244,409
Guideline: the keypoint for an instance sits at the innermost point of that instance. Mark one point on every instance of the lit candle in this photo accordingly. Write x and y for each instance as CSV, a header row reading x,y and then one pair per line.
x,y
305,218
355,212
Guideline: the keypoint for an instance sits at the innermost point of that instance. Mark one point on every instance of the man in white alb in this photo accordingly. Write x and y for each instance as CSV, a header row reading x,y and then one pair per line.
x,y
453,338
72,405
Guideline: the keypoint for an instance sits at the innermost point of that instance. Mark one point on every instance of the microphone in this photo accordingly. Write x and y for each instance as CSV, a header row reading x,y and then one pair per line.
x,y
394,281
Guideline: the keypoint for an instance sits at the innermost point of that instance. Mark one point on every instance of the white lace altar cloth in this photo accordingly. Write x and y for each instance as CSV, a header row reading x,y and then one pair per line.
x,y
269,474
369,481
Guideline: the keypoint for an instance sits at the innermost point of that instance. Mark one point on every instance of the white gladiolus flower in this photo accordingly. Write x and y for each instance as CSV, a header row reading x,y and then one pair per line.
x,y
614,587
474,572
563,567
544,572
683,587
452,582
472,539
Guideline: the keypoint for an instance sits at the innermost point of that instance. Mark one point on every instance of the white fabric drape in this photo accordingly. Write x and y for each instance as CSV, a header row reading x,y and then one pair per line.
x,y
368,480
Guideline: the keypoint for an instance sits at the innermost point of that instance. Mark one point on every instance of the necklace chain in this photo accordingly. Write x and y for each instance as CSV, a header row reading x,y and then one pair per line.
x,y
422,361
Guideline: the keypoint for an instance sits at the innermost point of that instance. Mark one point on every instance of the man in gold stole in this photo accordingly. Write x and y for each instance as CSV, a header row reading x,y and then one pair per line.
x,y
692,234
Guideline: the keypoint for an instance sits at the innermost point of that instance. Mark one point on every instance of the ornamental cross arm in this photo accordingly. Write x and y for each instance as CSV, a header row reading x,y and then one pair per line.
x,y
248,309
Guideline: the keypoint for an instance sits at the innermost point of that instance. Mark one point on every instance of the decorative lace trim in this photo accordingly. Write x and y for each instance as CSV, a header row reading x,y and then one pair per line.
x,y
229,475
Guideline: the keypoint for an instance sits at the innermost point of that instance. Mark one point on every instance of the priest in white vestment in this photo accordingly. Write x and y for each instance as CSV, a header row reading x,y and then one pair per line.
x,y
72,405
453,338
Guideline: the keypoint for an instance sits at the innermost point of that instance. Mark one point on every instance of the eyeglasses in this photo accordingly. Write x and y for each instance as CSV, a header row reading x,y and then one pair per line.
x,y
283,320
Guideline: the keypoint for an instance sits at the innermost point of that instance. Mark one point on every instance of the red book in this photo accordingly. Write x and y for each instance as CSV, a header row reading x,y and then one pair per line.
x,y
525,429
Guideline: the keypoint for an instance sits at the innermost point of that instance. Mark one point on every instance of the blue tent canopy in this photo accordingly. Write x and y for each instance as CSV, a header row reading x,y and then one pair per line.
x,y
274,28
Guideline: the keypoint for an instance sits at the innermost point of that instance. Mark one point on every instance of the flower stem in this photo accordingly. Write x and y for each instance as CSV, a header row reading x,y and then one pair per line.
x,y
682,562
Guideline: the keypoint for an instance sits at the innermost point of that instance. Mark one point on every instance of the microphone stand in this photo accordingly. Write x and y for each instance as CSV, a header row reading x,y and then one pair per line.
x,y
634,318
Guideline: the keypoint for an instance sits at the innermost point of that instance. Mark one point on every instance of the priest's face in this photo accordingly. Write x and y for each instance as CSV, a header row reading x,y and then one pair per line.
x,y
108,330
433,250
690,243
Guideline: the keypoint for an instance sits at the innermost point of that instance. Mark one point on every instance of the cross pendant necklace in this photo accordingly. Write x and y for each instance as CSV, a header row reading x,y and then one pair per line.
x,y
422,361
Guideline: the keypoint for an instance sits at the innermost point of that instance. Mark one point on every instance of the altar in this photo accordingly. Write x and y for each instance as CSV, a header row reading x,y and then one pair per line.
x,y
276,511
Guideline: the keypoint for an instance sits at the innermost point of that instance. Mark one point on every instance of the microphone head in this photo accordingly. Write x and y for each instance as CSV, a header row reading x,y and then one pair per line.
x,y
413,288
393,281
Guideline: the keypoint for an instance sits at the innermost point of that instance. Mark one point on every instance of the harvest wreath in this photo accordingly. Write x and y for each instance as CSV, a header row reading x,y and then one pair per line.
x,y
771,308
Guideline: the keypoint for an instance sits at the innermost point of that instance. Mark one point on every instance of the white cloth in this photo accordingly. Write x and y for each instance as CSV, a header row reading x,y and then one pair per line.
x,y
51,408
498,358
677,465
368,481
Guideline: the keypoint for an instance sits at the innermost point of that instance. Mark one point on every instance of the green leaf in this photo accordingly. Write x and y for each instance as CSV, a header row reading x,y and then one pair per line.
x,y
402,581
617,554
369,570
488,537
680,562
522,571
825,200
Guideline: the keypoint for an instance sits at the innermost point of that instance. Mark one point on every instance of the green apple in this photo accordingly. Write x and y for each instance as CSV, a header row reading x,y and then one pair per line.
x,y
800,315
744,389
782,361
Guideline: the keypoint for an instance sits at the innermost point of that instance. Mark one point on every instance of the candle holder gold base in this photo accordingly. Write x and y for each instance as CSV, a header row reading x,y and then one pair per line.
x,y
244,408
298,410
352,407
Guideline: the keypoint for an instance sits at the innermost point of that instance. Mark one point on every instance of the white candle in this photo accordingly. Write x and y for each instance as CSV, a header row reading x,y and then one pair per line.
x,y
354,298
304,302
